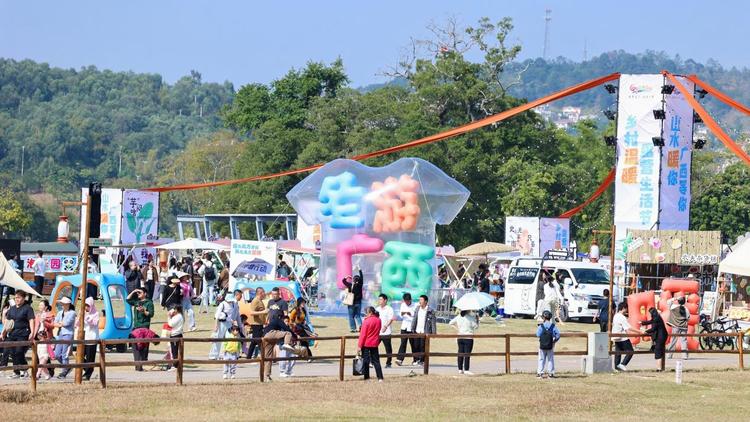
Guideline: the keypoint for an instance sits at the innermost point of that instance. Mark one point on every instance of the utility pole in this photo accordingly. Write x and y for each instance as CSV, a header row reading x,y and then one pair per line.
x,y
23,157
547,19
119,167
585,51
82,291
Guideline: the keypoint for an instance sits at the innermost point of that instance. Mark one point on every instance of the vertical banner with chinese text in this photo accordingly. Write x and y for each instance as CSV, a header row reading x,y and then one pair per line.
x,y
674,202
140,220
638,160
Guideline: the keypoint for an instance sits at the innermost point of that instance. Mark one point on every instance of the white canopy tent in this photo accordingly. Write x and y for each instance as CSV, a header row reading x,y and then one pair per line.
x,y
8,277
192,243
737,262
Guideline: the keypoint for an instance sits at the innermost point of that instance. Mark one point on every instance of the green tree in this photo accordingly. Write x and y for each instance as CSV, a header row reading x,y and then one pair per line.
x,y
13,217
723,203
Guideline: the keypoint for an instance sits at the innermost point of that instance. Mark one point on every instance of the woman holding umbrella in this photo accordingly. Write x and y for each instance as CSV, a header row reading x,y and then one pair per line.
x,y
465,323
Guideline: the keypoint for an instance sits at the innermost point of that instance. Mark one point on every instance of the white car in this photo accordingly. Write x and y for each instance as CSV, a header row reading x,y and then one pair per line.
x,y
582,288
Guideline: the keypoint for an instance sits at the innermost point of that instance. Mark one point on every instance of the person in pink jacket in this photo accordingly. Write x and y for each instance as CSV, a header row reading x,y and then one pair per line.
x,y
369,339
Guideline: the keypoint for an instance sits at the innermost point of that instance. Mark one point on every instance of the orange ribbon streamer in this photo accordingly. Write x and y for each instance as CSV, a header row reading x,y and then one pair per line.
x,y
495,118
708,120
599,191
719,95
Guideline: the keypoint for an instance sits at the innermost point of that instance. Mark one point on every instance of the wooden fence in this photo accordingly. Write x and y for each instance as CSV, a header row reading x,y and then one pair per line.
x,y
180,361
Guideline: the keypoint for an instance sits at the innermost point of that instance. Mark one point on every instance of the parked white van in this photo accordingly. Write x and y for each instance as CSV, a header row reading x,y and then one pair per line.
x,y
582,288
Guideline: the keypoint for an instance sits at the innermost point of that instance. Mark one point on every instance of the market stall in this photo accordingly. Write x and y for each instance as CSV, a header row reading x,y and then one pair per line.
x,y
734,272
653,255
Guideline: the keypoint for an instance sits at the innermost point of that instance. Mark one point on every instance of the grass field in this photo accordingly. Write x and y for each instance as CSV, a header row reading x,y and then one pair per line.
x,y
717,395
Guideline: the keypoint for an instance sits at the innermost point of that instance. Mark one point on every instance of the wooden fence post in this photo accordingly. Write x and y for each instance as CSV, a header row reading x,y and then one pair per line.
x,y
740,348
262,359
34,366
180,359
426,356
342,358
102,364
507,353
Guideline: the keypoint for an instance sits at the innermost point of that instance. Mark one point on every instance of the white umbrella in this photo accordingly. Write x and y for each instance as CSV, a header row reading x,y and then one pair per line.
x,y
10,278
474,301
192,244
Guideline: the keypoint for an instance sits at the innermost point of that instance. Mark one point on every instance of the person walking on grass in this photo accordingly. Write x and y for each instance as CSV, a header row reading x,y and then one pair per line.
x,y
424,322
65,323
465,323
678,320
548,335
602,315
91,332
386,319
231,352
406,312
620,325
210,276
354,287
227,315
658,332
258,315
18,325
176,324
143,311
367,346
40,269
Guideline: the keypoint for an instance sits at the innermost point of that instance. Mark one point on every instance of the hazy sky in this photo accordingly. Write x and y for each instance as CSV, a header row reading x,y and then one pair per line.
x,y
247,41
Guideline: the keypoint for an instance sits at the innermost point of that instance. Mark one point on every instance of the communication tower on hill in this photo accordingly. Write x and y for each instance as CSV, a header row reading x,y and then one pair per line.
x,y
547,19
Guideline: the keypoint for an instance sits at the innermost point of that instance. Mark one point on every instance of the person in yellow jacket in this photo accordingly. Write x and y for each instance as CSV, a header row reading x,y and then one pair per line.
x,y
231,352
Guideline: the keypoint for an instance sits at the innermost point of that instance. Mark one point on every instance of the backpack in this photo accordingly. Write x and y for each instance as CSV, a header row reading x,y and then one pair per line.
x,y
547,339
210,273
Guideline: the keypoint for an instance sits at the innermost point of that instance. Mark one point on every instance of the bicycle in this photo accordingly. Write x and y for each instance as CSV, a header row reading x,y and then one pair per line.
x,y
733,327
708,343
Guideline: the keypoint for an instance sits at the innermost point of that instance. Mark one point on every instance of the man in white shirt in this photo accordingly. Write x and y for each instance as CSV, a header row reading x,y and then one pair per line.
x,y
406,312
210,276
40,269
386,319
424,322
620,325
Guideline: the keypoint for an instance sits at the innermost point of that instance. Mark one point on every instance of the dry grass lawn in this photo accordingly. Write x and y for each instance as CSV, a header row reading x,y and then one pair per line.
x,y
717,395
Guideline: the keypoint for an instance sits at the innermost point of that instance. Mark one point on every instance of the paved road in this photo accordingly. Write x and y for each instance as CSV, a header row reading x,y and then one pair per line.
x,y
564,364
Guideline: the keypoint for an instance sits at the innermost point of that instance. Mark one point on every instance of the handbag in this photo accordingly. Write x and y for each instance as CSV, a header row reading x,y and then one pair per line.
x,y
358,366
348,299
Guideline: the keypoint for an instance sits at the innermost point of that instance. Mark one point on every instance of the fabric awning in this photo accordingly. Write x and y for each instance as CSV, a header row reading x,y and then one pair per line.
x,y
738,262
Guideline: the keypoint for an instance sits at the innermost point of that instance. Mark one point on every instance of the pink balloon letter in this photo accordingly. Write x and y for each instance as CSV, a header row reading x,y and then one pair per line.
x,y
358,244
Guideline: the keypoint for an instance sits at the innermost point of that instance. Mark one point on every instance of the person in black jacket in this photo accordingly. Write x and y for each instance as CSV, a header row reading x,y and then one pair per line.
x,y
132,277
658,332
354,286
172,294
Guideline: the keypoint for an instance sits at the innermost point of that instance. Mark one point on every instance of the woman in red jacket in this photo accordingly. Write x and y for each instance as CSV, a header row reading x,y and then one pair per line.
x,y
369,339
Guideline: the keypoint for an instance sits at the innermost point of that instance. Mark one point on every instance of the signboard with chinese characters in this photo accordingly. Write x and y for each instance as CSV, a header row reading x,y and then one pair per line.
x,y
637,177
55,263
674,194
251,260
682,247
377,220
140,221
111,214
523,233
554,233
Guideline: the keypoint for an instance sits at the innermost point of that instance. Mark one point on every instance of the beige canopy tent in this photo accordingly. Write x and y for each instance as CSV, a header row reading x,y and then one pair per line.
x,y
738,262
8,277
192,244
485,248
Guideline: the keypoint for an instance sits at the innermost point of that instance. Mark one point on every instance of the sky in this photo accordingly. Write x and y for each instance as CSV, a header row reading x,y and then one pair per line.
x,y
247,41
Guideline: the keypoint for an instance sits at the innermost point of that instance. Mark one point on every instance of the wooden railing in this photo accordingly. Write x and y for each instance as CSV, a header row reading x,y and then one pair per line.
x,y
180,360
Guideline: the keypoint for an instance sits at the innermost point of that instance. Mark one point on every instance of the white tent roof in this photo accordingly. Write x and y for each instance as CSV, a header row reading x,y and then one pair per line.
x,y
738,262
10,278
192,244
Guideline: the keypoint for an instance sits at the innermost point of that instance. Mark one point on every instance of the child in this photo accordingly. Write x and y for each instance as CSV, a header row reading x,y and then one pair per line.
x,y
44,354
548,335
286,366
231,352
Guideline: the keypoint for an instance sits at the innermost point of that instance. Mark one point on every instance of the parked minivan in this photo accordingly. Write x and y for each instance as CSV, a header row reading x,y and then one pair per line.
x,y
582,288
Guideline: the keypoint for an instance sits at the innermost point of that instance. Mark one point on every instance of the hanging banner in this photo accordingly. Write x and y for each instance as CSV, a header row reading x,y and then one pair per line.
x,y
674,199
638,160
140,220
251,260
111,214
523,233
554,233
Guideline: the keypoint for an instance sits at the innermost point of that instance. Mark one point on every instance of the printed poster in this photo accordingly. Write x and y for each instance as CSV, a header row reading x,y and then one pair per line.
x,y
554,233
140,221
523,233
251,260
111,214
